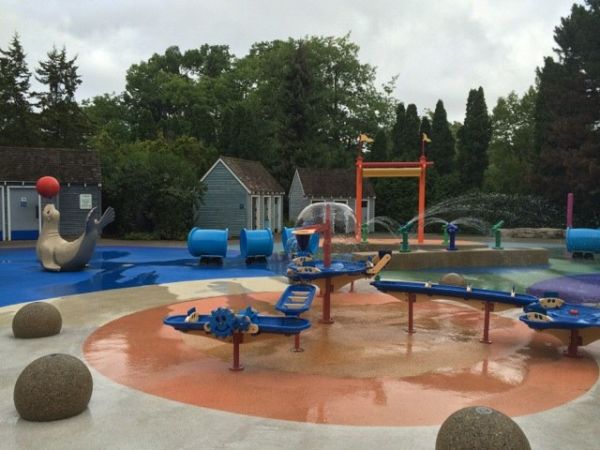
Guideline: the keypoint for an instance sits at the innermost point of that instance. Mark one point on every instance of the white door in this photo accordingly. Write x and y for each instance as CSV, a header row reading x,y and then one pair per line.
x,y
23,213
276,214
267,212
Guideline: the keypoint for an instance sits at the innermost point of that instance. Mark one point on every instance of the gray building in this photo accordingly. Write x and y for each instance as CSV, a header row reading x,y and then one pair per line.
x,y
240,194
331,185
80,177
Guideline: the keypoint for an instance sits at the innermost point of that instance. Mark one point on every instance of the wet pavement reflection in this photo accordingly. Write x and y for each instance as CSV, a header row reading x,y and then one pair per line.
x,y
362,370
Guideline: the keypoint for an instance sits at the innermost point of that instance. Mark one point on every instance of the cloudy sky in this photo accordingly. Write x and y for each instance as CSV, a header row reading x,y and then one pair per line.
x,y
438,49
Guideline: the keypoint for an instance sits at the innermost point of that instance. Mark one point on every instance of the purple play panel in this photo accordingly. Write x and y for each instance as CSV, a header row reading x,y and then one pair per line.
x,y
573,288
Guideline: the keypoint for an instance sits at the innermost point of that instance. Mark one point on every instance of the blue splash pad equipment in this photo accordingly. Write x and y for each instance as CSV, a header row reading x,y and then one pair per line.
x,y
486,295
289,241
316,270
207,243
586,240
256,243
296,299
567,316
224,323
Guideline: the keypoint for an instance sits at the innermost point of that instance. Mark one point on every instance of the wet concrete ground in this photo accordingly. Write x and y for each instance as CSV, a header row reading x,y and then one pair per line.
x,y
443,365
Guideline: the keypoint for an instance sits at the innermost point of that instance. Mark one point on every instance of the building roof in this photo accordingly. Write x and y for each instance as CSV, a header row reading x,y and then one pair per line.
x,y
253,175
332,183
66,165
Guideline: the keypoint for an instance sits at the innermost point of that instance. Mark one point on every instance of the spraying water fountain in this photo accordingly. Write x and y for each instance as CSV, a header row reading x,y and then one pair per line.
x,y
329,275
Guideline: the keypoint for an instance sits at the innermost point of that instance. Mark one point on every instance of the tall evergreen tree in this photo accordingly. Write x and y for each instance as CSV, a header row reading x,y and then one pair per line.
x,y
411,139
297,126
16,117
441,148
380,149
473,141
398,131
62,122
567,114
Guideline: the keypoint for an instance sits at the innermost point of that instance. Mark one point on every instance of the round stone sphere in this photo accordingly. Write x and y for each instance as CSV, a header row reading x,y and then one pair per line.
x,y
482,428
53,387
454,279
36,320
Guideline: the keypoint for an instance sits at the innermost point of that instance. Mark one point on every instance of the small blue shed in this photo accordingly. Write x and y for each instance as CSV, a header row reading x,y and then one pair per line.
x,y
239,194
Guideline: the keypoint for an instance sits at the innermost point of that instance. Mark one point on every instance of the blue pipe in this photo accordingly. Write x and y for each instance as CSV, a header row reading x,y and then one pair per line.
x,y
208,243
583,240
256,243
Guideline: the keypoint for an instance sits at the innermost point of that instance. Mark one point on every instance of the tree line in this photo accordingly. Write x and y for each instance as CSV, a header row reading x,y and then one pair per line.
x,y
302,103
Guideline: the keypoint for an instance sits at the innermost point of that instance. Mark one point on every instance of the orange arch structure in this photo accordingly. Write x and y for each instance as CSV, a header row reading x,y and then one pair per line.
x,y
391,170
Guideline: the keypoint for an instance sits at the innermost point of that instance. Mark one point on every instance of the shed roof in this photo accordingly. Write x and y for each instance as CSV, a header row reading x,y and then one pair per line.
x,y
67,165
253,175
332,183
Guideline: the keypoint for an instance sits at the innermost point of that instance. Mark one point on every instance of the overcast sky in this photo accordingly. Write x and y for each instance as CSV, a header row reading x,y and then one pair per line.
x,y
438,49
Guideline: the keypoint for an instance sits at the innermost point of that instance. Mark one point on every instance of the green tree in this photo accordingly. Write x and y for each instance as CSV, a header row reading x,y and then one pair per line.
x,y
62,122
411,139
398,131
441,149
154,185
321,76
177,94
17,125
298,127
511,146
473,141
567,114
240,132
109,115
380,149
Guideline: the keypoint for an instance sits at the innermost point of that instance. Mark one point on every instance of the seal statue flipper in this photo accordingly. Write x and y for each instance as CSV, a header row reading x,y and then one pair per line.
x,y
107,217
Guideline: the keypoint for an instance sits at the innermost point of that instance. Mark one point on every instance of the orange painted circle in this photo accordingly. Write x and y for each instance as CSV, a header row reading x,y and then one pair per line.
x,y
362,370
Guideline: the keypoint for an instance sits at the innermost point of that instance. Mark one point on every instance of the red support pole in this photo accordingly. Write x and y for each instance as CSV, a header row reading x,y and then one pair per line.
x,y
421,222
412,298
238,338
297,347
358,204
573,344
488,308
327,238
326,319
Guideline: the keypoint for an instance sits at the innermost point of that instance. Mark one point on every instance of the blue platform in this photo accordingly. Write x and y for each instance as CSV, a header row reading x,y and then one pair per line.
x,y
22,278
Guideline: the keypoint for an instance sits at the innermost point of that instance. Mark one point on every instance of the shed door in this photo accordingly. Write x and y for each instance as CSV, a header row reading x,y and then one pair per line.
x,y
267,212
2,217
276,214
23,213
255,212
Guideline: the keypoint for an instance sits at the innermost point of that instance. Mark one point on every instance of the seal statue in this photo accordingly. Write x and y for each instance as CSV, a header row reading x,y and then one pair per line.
x,y
57,254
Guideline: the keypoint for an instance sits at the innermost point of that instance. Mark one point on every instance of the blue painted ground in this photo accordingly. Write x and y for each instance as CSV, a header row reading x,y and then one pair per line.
x,y
114,267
